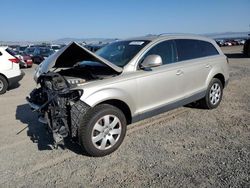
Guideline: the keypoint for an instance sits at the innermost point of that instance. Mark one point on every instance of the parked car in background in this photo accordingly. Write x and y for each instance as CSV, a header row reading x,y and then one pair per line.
x,y
41,53
240,41
94,47
29,51
231,43
25,60
246,48
10,72
228,43
20,49
220,42
99,94
55,47
13,47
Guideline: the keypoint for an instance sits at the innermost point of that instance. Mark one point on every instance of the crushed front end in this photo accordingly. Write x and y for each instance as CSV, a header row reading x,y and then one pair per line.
x,y
54,100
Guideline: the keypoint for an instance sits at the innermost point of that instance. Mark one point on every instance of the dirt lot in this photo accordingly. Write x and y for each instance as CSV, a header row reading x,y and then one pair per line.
x,y
186,147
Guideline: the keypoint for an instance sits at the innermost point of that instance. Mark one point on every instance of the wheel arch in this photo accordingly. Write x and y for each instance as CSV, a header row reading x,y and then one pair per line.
x,y
120,105
113,96
216,73
5,77
221,78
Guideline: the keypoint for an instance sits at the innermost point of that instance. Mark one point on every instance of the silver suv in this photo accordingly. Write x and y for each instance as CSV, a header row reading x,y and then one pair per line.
x,y
94,96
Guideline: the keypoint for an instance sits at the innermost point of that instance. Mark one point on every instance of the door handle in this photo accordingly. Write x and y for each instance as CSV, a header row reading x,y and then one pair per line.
x,y
179,72
208,66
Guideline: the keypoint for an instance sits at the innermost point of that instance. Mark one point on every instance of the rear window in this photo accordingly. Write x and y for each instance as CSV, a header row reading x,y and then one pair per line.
x,y
192,49
11,52
22,48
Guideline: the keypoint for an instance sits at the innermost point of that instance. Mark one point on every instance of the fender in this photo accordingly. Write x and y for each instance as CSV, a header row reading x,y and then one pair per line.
x,y
110,94
214,71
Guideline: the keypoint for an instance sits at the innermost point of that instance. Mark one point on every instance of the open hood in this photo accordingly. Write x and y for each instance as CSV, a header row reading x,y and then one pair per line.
x,y
68,56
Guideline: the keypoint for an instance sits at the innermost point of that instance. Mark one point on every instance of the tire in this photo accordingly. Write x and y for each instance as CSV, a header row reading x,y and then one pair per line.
x,y
3,85
213,95
34,60
102,130
246,48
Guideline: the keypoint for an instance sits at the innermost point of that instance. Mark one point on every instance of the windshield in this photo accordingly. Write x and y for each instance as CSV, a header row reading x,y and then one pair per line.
x,y
120,53
29,50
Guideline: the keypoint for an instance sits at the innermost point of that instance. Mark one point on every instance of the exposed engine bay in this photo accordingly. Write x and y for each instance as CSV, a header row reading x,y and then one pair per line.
x,y
57,95
84,72
54,100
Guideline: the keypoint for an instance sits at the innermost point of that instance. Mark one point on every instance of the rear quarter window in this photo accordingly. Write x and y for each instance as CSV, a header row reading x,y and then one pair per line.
x,y
192,49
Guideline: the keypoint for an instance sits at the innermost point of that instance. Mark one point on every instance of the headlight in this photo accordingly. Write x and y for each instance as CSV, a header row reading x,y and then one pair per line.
x,y
76,81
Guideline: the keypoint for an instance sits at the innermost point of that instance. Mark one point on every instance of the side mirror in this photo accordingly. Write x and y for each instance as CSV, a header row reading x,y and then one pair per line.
x,y
152,61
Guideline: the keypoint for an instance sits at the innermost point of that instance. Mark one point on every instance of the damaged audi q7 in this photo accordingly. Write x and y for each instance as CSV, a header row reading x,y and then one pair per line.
x,y
94,96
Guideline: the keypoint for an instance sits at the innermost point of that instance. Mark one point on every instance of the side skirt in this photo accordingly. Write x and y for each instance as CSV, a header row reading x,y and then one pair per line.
x,y
168,107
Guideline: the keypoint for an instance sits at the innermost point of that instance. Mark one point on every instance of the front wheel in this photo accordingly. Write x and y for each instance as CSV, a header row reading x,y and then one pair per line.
x,y
102,130
213,95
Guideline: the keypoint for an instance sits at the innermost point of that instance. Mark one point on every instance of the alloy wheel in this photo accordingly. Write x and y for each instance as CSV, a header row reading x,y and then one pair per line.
x,y
106,132
215,94
1,85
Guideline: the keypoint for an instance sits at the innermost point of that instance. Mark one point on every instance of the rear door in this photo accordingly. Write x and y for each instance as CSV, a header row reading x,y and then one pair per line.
x,y
195,57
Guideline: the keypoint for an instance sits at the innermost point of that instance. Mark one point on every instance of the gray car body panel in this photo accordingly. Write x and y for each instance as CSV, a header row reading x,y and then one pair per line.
x,y
153,96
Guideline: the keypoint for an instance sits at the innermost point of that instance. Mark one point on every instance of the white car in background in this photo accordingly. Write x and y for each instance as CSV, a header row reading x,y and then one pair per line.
x,y
10,72
55,47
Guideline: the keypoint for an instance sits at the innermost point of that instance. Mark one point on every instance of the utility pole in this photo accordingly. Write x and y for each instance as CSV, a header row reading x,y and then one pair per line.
x,y
249,30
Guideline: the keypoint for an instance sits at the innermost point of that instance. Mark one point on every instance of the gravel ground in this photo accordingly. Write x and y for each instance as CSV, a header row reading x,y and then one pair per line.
x,y
186,147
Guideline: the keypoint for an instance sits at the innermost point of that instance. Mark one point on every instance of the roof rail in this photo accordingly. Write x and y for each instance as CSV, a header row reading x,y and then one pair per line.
x,y
189,34
162,34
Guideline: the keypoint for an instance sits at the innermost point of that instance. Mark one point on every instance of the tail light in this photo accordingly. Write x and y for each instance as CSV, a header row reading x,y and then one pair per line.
x,y
14,60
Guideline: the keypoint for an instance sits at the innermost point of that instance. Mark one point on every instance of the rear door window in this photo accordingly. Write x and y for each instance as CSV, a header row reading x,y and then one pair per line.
x,y
192,49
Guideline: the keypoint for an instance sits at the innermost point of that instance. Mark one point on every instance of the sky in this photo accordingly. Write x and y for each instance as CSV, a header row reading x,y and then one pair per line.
x,y
44,20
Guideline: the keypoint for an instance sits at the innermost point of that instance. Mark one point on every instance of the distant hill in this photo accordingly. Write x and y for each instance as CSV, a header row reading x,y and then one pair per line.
x,y
87,40
224,35
227,35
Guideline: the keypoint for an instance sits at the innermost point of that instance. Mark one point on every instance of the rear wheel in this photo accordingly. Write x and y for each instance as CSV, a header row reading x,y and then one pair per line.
x,y
214,94
102,130
3,85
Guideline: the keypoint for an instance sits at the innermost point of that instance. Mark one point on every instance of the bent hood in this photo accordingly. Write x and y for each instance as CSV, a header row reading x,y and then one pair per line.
x,y
70,55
